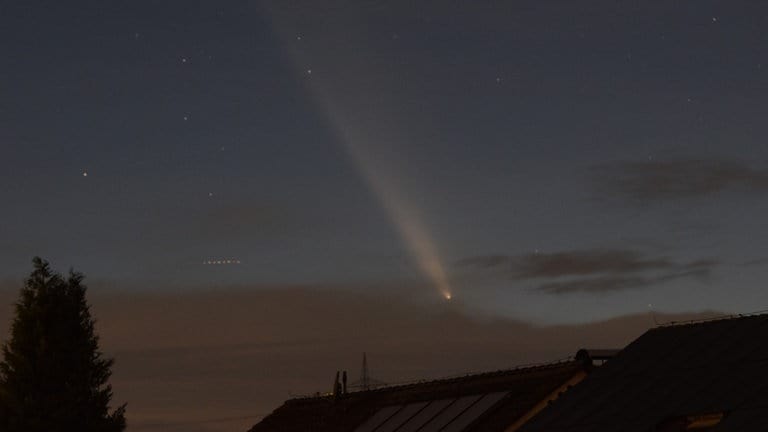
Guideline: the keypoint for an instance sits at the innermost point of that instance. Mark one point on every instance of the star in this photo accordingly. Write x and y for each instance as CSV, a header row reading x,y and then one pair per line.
x,y
183,59
210,194
714,19
186,118
298,37
85,173
309,71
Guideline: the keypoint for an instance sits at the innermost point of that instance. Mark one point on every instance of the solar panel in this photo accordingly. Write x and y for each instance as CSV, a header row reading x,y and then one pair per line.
x,y
474,412
425,415
401,417
450,413
380,417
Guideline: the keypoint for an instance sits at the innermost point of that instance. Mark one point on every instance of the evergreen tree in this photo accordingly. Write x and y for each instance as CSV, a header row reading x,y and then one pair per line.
x,y
53,376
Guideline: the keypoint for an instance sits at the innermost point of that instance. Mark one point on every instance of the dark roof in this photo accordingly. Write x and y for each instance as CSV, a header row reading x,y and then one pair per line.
x,y
498,399
670,375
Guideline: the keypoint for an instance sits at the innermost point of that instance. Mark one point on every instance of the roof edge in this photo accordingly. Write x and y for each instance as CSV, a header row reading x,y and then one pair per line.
x,y
571,360
712,319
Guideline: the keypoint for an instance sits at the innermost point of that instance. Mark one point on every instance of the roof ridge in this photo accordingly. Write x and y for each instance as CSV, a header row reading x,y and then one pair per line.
x,y
449,378
724,317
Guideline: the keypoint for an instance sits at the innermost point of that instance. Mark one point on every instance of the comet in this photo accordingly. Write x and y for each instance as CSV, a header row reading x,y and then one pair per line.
x,y
360,145
378,176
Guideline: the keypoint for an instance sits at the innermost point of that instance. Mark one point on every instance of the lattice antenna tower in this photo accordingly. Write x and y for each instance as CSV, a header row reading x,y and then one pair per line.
x,y
365,376
366,382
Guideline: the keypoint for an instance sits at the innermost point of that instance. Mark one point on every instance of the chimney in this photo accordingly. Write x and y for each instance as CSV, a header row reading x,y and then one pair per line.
x,y
336,387
596,357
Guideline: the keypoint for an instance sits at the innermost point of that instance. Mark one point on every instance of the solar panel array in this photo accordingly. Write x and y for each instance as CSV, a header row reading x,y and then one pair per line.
x,y
443,415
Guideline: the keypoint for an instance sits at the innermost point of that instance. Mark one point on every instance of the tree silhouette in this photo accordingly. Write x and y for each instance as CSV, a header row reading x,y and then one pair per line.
x,y
53,376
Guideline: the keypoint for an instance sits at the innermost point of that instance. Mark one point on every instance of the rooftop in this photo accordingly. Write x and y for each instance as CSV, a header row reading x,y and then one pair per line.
x,y
481,402
703,375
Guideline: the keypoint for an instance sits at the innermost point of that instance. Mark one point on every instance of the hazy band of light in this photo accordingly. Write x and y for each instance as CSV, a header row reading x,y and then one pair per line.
x,y
407,222
358,146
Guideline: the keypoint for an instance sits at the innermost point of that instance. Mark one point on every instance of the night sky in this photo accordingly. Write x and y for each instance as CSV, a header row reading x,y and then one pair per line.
x,y
550,162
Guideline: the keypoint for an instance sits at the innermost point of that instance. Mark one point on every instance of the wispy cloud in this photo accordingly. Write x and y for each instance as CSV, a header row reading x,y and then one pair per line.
x,y
616,283
589,270
674,179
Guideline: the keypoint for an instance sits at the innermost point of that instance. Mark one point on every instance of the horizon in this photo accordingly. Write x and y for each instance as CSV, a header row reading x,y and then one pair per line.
x,y
224,371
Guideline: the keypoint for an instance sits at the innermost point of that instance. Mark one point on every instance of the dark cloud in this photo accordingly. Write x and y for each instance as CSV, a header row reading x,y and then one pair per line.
x,y
755,262
594,285
653,180
595,270
616,283
585,262
211,360
484,261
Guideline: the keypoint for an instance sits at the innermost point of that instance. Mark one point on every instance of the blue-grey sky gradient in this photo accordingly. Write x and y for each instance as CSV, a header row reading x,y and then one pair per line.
x,y
527,131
